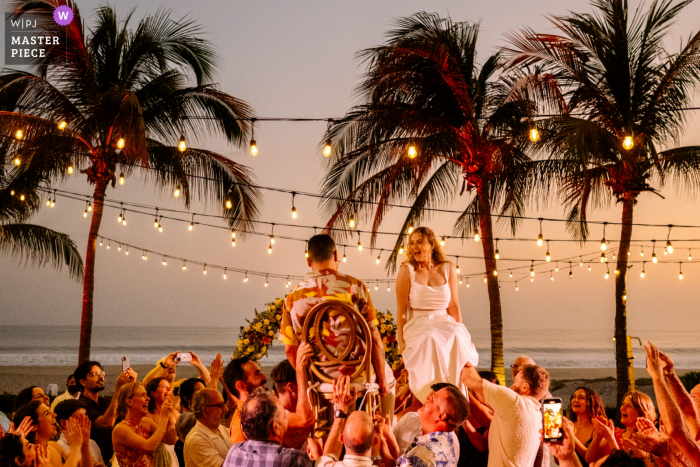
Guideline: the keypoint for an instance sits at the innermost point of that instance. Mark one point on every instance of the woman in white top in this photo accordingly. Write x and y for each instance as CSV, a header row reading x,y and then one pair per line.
x,y
434,342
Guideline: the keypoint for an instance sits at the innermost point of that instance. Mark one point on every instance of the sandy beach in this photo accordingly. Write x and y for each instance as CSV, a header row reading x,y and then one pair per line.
x,y
564,380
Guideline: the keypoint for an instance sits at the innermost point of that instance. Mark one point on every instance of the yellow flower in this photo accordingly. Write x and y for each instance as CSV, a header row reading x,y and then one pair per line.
x,y
278,317
239,342
240,347
390,327
263,349
384,340
388,316
381,320
271,333
382,329
250,348
267,321
246,341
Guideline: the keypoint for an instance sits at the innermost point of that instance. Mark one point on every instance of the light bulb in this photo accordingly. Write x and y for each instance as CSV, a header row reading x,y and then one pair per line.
x,y
266,282
272,239
100,242
497,255
534,134
62,125
120,143
511,273
19,134
603,245
18,161
229,204
516,287
127,251
540,240
245,279
643,273
653,258
233,233
327,148
48,201
12,192
165,263
410,229
628,143
253,148
477,237
109,245
495,272
557,267
571,274
123,220
85,213
589,266
603,258
551,276
345,259
412,151
191,226
119,248
160,228
53,202
532,272
233,242
351,222
690,255
617,272
376,286
401,250
70,170
176,193
607,274
182,146
119,219
669,247
378,259
359,246
460,281
89,206
184,266
306,253
458,269
548,257
485,278
388,288
21,197
121,178
269,249
680,275
205,270
294,212
442,242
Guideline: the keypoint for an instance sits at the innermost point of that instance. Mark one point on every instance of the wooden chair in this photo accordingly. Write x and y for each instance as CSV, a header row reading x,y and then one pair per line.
x,y
322,395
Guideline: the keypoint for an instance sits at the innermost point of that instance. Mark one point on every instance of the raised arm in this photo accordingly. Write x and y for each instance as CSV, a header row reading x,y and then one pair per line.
x,y
453,308
201,369
303,416
471,379
161,367
403,287
107,419
344,397
125,436
683,399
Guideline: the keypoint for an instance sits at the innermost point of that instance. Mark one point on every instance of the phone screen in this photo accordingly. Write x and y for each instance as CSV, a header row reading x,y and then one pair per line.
x,y
184,357
552,422
125,362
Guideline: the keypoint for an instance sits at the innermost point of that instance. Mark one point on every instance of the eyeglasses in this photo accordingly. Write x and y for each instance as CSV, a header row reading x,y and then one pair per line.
x,y
221,405
97,374
515,367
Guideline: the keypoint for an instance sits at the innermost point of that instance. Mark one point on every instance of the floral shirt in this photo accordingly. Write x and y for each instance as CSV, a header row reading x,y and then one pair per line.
x,y
437,449
319,287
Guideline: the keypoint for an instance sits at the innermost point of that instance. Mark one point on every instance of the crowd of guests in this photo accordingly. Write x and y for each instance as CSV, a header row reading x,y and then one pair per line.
x,y
228,417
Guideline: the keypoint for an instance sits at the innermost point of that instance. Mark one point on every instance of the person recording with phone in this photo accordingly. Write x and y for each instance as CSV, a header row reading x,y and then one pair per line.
x,y
166,367
514,431
158,390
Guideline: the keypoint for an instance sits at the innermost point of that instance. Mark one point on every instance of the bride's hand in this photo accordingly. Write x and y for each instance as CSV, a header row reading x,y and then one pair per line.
x,y
402,344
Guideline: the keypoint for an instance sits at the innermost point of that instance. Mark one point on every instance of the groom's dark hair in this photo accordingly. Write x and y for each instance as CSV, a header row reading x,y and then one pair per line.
x,y
321,248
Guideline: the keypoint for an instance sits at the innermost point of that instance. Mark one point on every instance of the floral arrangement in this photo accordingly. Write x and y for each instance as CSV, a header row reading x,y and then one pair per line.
x,y
256,339
387,329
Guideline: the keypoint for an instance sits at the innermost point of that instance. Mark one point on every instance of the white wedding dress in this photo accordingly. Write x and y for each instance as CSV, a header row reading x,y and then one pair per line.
x,y
437,346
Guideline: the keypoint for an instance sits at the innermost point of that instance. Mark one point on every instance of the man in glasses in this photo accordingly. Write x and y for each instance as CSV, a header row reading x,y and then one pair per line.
x,y
101,411
207,443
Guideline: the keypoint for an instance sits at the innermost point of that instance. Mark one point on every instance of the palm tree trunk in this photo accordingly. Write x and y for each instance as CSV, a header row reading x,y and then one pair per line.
x,y
89,279
621,302
492,286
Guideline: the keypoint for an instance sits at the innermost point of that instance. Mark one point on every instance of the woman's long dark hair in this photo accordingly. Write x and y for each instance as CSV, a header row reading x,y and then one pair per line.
x,y
594,405
10,448
152,387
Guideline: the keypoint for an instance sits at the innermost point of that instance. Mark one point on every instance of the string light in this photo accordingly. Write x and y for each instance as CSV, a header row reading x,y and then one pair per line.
x,y
155,221
680,270
581,265
119,219
229,204
551,276
289,282
345,258
495,272
119,248
204,271
306,249
253,144
109,244
225,275
127,250
653,252
690,255
53,203
669,247
511,273
269,249
18,161
412,151
614,256
401,250
121,178
497,255
359,243
603,258
548,257
272,236
516,286
540,238
182,145
388,287
607,271
571,271
100,242
556,267
160,226
89,207
351,222
184,266
460,280
642,252
628,142
617,272
442,241
191,224
294,209
643,269
410,229
532,269
589,266
379,256
245,279
19,134
143,255
86,209
327,148
21,197
457,265
120,143
70,170
534,133
485,279
376,285
477,237
467,282
62,125
176,193
603,245
165,263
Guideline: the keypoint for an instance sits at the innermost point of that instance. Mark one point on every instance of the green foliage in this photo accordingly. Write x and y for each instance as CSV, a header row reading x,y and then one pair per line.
x,y
256,339
690,380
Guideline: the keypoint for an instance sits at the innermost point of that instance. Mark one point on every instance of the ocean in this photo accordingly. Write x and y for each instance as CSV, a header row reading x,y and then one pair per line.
x,y
551,348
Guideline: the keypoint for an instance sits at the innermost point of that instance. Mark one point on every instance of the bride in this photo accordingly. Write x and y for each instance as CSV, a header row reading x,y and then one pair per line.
x,y
434,342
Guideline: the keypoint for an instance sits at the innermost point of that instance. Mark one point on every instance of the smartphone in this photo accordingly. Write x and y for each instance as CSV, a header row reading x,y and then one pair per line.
x,y
552,420
125,362
183,357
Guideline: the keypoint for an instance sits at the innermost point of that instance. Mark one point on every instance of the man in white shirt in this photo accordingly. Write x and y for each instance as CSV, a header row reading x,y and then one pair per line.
x,y
409,427
514,438
72,392
208,443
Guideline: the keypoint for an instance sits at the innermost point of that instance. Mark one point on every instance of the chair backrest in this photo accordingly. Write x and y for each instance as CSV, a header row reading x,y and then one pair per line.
x,y
313,327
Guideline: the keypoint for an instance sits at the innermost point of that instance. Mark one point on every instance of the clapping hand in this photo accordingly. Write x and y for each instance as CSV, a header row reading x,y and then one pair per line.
x,y
73,432
216,371
668,364
85,425
43,458
382,425
605,429
654,362
24,428
344,394
654,443
167,405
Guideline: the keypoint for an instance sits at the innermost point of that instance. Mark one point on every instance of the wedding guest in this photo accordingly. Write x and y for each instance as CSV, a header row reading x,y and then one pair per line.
x,y
101,411
353,430
208,442
409,427
584,406
137,437
443,412
43,425
264,423
166,368
513,434
72,409
519,363
32,393
158,389
17,451
607,437
71,392
242,376
186,420
323,281
291,387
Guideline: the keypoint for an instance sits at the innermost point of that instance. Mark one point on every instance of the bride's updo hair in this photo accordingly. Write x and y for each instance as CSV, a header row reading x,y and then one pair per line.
x,y
438,257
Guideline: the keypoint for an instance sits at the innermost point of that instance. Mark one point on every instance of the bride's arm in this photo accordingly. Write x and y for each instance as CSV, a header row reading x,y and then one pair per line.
x,y
453,308
403,287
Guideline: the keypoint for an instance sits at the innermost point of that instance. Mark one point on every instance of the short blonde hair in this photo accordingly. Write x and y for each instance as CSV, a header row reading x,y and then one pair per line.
x,y
438,257
642,404
126,392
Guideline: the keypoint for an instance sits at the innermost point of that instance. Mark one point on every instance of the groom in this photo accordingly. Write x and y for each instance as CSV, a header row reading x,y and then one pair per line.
x,y
323,283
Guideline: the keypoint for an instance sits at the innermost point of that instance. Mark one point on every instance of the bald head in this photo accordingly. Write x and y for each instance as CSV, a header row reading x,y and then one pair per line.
x,y
520,362
358,435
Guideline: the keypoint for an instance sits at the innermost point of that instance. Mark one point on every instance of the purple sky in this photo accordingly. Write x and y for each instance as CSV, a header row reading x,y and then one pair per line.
x,y
297,59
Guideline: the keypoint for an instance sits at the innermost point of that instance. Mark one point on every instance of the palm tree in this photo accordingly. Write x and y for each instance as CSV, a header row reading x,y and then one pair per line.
x,y
116,101
425,93
624,93
28,242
